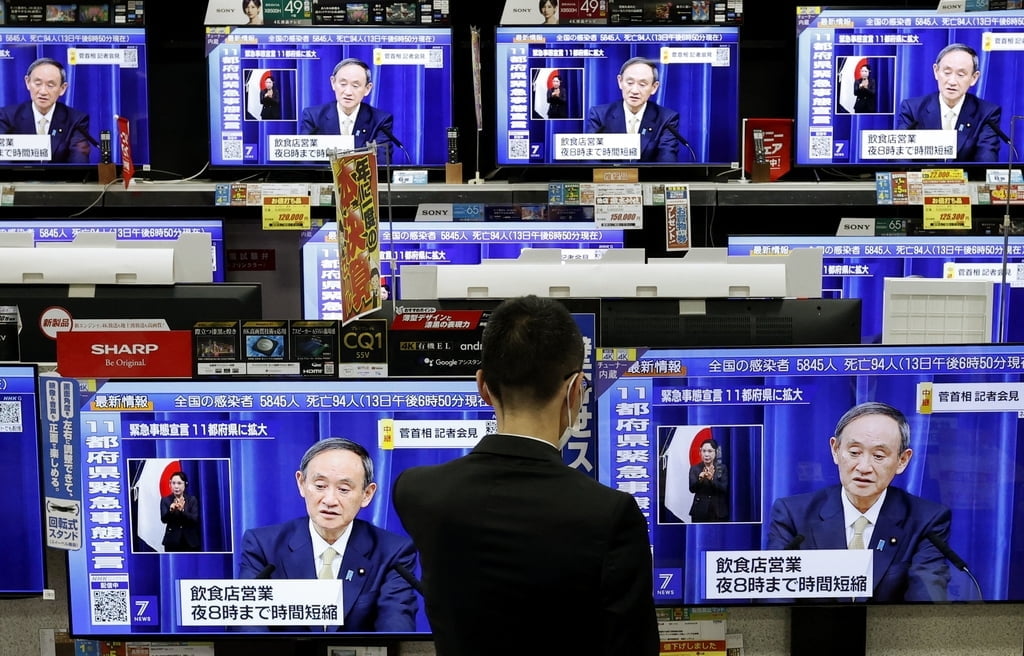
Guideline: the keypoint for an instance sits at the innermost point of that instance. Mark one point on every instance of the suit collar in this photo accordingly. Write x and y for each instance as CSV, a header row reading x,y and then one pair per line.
x,y
510,445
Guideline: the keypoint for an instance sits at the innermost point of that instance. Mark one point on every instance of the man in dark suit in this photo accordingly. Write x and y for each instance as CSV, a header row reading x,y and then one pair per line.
x,y
953,108
871,446
46,81
522,554
636,113
348,114
335,478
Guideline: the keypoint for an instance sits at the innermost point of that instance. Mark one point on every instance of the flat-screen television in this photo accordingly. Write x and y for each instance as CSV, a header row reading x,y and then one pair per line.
x,y
24,569
563,92
861,71
53,230
668,322
855,267
771,413
47,309
83,79
407,100
410,244
239,444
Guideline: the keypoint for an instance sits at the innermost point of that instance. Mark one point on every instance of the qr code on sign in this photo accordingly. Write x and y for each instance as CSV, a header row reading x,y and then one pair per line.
x,y
110,607
821,148
130,58
10,417
231,149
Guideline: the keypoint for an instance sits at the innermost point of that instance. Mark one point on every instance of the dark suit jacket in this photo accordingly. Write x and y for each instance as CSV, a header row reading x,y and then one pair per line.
x,y
524,555
271,105
68,127
182,532
710,498
371,124
976,141
376,597
907,567
558,105
657,143
866,102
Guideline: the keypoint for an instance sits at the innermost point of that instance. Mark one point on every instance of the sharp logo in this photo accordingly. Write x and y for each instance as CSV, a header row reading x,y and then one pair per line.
x,y
123,349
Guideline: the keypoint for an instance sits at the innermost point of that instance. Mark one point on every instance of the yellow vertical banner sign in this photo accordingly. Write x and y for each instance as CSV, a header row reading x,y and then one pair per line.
x,y
355,188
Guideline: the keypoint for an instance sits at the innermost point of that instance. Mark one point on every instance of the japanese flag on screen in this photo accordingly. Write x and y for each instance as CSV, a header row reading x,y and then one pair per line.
x,y
683,451
152,482
253,86
848,78
541,84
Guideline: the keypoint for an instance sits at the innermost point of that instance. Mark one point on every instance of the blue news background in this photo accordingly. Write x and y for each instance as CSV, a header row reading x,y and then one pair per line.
x,y
102,91
706,97
910,74
419,98
857,268
24,569
969,461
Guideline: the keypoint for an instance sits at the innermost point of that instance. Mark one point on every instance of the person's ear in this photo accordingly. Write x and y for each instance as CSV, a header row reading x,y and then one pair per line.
x,y
904,460
481,387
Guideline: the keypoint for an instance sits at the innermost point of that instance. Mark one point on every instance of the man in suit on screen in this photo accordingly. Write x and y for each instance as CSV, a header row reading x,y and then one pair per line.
x,y
522,554
636,113
953,108
335,478
870,446
46,81
348,114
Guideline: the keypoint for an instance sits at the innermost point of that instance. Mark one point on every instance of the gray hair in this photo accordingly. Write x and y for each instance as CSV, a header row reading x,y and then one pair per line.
x,y
876,408
339,444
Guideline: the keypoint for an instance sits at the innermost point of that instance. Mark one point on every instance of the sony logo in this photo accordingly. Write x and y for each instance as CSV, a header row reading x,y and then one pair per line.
x,y
434,212
860,227
123,349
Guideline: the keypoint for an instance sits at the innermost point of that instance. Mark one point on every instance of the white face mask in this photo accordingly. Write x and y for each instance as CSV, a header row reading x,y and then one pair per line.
x,y
570,423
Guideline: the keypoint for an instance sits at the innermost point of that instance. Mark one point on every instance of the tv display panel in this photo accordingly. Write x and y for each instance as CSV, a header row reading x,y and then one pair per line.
x,y
668,322
410,244
835,126
105,71
857,268
24,569
240,444
697,95
46,309
411,80
772,412
47,231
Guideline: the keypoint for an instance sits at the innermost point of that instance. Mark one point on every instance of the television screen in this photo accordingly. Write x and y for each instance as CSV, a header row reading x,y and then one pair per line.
x,y
47,309
82,79
24,569
667,322
857,268
239,444
409,244
563,94
863,73
275,94
48,231
773,479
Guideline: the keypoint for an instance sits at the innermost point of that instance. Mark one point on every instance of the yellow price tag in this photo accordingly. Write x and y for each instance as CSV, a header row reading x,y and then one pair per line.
x,y
286,213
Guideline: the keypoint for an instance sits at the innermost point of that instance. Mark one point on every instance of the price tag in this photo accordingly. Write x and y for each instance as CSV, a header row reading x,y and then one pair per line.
x,y
286,213
947,212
